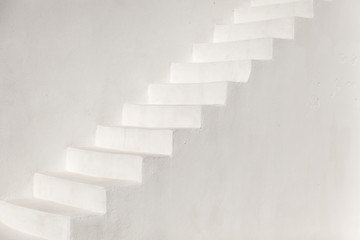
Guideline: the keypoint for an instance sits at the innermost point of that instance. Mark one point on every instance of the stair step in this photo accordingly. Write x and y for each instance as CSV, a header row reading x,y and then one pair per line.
x,y
257,49
104,164
7,233
44,219
161,116
256,3
303,9
230,71
132,139
65,189
188,93
75,190
282,28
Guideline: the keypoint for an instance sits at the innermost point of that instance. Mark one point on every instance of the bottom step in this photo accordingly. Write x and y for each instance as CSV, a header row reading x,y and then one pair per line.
x,y
47,219
7,233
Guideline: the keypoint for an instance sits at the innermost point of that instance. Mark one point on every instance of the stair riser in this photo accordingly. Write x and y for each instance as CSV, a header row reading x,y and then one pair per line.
x,y
135,140
280,28
35,223
161,116
258,49
104,165
297,9
238,71
201,94
71,193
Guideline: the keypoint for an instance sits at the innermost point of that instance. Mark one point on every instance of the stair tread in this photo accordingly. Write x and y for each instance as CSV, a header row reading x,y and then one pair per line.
x,y
51,207
116,151
140,127
7,233
149,128
218,62
257,3
256,25
189,84
97,181
239,42
165,105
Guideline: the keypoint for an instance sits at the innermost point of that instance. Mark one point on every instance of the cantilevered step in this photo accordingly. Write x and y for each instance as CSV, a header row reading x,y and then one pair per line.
x,y
282,28
135,140
70,190
7,233
75,190
45,219
188,93
229,71
161,116
303,9
103,163
270,2
257,49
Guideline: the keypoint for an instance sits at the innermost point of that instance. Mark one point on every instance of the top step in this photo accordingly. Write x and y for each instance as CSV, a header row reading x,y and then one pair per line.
x,y
304,9
255,3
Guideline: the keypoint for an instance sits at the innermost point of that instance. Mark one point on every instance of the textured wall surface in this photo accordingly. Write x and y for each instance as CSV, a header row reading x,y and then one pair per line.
x,y
279,162
69,65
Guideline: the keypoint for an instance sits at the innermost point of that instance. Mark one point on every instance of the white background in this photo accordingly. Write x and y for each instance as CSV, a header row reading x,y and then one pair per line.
x,y
281,161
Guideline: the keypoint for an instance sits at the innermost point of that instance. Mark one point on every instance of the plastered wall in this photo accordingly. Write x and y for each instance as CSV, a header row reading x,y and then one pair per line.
x,y
280,162
69,65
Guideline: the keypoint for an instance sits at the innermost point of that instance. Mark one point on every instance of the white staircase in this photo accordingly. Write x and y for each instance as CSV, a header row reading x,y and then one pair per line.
x,y
71,204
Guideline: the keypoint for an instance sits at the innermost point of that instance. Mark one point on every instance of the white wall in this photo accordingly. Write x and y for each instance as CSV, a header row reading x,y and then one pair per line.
x,y
67,65
280,162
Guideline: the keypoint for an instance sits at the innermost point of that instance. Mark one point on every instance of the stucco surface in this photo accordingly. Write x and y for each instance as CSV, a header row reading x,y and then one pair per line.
x,y
279,162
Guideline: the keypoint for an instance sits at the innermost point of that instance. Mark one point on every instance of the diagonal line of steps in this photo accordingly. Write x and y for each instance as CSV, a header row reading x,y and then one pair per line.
x,y
71,204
